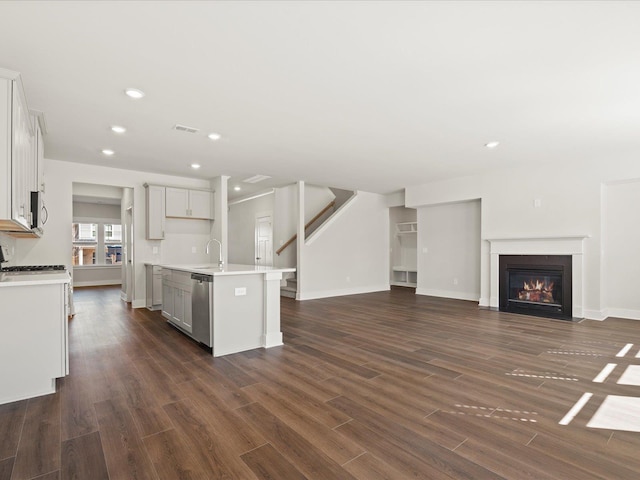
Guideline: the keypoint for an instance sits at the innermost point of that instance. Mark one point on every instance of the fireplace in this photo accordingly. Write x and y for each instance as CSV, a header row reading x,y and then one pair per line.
x,y
536,285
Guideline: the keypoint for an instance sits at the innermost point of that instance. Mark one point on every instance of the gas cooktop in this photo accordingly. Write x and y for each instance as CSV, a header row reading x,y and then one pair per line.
x,y
35,268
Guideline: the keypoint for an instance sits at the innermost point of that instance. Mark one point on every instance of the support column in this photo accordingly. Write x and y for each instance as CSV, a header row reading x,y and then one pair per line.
x,y
272,335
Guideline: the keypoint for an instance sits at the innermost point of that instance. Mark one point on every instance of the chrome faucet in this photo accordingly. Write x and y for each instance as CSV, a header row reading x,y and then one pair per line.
x,y
220,261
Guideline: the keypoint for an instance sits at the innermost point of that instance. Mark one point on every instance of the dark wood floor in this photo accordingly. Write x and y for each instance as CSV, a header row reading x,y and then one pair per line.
x,y
387,385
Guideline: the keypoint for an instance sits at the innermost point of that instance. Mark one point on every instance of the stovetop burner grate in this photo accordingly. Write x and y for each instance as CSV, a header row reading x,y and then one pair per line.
x,y
34,268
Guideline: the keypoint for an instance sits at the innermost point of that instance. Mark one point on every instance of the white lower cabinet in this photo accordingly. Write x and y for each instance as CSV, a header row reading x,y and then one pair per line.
x,y
34,344
176,296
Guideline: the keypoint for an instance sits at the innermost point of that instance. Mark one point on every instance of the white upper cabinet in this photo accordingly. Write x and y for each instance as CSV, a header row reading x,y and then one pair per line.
x,y
18,157
155,196
201,204
184,203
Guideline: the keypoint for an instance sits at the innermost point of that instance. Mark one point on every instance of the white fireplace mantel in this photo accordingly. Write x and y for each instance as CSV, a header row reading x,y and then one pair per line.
x,y
553,245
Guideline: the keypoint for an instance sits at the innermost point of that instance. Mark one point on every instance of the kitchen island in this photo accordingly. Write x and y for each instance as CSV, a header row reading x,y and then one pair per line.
x,y
243,304
34,345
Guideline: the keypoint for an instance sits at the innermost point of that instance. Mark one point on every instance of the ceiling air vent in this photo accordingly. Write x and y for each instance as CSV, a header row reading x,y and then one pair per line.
x,y
255,179
184,128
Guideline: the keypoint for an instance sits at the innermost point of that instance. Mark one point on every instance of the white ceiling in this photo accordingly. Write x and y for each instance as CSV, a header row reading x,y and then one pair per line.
x,y
363,95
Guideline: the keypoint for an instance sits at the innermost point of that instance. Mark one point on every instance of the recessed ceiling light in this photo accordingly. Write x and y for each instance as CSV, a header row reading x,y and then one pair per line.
x,y
195,166
214,136
237,188
492,144
118,129
108,152
134,93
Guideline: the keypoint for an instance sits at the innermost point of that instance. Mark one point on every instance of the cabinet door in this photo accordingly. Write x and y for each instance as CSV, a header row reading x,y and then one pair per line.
x,y
21,159
186,319
177,202
39,160
156,296
155,212
201,204
178,306
167,303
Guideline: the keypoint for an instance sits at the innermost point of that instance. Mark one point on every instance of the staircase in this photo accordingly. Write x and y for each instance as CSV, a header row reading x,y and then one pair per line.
x,y
290,289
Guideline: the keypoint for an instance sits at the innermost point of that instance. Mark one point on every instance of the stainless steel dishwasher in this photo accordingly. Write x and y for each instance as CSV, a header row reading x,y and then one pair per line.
x,y
201,302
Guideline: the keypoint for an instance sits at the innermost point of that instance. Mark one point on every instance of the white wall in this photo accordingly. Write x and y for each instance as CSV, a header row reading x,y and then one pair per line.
x,y
450,233
285,203
621,247
242,228
570,204
55,246
10,243
97,211
351,255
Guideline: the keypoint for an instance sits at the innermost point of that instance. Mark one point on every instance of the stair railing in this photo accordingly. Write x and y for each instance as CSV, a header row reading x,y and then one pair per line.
x,y
308,224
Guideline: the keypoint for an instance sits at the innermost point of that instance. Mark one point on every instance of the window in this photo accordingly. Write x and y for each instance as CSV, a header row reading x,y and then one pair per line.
x,y
85,242
89,238
113,244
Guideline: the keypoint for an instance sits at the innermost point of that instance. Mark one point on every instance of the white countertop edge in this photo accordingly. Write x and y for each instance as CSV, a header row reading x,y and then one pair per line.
x,y
35,279
229,269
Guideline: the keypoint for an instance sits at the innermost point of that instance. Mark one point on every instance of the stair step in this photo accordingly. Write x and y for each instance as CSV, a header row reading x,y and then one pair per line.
x,y
288,292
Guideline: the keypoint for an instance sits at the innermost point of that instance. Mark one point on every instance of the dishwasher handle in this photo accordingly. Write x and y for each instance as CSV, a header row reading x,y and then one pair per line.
x,y
199,277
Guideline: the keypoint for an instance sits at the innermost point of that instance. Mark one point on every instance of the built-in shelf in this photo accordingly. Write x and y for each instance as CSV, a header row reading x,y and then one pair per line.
x,y
404,276
406,227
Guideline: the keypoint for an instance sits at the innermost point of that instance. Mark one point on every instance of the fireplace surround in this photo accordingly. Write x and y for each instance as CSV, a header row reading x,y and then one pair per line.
x,y
538,285
573,245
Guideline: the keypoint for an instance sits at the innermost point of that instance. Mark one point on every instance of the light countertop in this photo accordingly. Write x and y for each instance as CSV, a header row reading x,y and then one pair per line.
x,y
8,279
227,269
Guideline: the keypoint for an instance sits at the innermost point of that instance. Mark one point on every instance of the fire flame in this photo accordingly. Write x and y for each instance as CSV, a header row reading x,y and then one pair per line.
x,y
539,286
537,291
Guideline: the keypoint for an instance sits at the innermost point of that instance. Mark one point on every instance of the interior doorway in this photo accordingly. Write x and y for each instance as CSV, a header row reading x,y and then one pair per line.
x,y
264,239
102,237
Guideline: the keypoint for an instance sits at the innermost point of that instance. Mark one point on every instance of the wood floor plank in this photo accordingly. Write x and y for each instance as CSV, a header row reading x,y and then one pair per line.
x,y
367,466
6,468
210,449
82,457
39,448
144,405
11,420
239,436
172,459
268,464
124,452
332,443
77,414
437,456
292,445
409,465
49,476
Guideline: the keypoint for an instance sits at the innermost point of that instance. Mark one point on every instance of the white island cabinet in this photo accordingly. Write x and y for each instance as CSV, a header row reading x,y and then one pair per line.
x,y
244,305
34,342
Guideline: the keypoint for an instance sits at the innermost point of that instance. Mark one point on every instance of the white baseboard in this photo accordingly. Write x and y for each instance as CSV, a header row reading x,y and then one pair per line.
x,y
341,292
448,294
139,303
594,314
483,302
623,313
97,283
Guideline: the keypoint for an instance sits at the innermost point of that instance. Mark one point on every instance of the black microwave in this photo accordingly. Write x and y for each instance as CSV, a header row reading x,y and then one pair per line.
x,y
38,210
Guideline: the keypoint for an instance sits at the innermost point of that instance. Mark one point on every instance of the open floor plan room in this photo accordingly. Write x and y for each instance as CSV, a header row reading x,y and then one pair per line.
x,y
382,385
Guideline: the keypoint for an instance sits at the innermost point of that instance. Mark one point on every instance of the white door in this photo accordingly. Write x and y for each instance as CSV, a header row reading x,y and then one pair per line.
x,y
264,240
